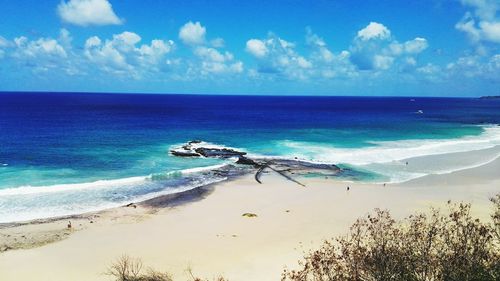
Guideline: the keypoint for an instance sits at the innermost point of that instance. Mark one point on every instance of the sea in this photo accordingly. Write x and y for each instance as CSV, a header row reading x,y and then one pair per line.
x,y
69,153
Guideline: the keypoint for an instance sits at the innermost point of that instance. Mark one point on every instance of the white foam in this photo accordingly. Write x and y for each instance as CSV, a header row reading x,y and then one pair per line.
x,y
388,151
96,185
204,144
24,213
100,184
203,169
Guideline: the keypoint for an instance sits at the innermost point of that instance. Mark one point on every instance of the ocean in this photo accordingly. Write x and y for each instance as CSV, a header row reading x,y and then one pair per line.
x,y
69,153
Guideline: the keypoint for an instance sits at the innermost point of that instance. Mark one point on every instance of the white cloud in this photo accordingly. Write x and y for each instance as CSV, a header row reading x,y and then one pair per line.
x,y
93,41
3,42
429,69
382,62
321,50
483,24
217,43
369,54
257,48
192,33
416,45
65,38
484,9
491,31
475,66
88,12
212,54
213,61
374,30
278,57
121,55
126,39
106,56
46,47
42,54
302,62
207,57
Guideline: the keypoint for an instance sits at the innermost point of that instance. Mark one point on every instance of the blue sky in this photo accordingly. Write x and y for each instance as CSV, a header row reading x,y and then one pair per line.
x,y
323,47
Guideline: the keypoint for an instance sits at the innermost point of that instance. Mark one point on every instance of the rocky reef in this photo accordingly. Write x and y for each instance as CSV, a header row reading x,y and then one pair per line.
x,y
197,148
287,168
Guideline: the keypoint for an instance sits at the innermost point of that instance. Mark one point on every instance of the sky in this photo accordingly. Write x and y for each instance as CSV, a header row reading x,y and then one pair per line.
x,y
322,47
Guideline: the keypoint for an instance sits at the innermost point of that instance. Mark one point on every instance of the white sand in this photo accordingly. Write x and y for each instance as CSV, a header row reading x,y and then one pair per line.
x,y
213,238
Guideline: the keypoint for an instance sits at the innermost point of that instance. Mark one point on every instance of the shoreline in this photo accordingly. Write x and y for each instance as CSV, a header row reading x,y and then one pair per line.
x,y
208,233
17,235
59,203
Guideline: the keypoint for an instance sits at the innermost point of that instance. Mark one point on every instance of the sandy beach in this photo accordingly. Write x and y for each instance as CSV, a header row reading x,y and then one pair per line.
x,y
209,234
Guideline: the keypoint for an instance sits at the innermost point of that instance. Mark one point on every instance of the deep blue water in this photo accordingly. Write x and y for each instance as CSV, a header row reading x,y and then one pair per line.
x,y
51,139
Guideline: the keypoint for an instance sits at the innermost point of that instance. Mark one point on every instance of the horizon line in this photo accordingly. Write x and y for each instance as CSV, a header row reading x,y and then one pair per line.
x,y
235,94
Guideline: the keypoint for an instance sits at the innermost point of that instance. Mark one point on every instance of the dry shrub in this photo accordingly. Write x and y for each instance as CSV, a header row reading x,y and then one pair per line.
x,y
451,246
130,269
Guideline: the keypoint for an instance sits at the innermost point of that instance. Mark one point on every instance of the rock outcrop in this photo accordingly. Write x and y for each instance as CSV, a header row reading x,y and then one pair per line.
x,y
283,167
197,148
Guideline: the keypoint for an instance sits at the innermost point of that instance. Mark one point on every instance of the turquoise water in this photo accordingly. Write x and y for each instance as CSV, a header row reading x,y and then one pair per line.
x,y
66,153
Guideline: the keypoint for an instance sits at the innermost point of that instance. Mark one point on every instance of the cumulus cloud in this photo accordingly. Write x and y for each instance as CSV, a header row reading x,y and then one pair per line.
x,y
257,48
3,44
88,12
192,33
374,30
213,61
125,55
208,58
122,55
217,43
326,63
43,54
375,49
43,47
482,24
275,55
475,66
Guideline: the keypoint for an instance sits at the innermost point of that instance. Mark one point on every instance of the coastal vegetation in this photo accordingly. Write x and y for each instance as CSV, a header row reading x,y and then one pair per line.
x,y
450,245
131,269
435,245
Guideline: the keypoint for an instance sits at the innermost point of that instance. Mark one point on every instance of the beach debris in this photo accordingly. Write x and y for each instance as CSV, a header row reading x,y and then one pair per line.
x,y
249,215
131,205
69,225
